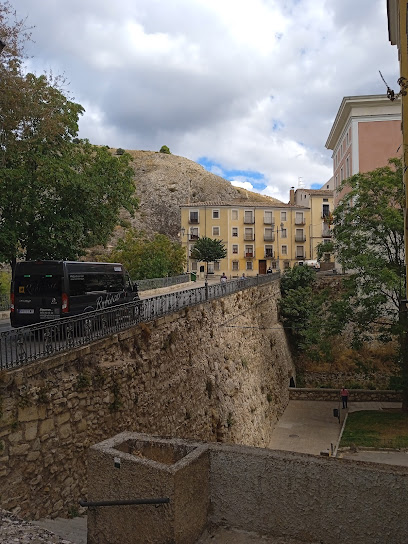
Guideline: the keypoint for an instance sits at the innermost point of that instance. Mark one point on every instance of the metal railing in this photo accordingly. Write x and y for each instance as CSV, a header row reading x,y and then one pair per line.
x,y
19,347
156,283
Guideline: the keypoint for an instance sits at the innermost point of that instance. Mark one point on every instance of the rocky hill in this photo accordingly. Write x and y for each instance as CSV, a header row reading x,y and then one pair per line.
x,y
164,182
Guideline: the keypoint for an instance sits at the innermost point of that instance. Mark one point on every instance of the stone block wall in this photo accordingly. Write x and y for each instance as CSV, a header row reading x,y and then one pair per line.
x,y
215,372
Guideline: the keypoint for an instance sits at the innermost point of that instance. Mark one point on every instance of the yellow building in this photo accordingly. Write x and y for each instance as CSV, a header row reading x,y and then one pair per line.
x,y
320,204
258,236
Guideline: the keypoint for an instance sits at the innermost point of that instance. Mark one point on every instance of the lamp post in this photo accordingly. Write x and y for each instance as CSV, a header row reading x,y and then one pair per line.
x,y
182,233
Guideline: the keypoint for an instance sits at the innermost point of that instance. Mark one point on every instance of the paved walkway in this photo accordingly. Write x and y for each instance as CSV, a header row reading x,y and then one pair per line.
x,y
310,427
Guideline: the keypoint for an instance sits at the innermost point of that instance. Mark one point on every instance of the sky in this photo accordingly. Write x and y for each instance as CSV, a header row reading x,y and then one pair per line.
x,y
247,88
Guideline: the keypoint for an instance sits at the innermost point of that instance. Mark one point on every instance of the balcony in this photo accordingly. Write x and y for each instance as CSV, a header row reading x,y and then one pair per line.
x,y
193,237
326,233
249,237
249,254
269,237
269,222
300,257
193,221
300,222
249,220
269,254
300,238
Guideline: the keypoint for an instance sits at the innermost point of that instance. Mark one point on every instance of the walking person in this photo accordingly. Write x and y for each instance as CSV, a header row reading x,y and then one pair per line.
x,y
223,280
344,397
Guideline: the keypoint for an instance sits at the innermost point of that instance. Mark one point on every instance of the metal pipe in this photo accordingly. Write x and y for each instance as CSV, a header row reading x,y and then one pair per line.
x,y
162,500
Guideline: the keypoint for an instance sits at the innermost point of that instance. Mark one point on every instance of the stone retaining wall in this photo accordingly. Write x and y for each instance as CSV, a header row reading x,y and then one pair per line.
x,y
210,372
356,395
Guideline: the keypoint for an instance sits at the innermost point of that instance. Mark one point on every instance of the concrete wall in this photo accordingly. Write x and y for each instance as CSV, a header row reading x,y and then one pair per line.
x,y
310,498
211,372
280,494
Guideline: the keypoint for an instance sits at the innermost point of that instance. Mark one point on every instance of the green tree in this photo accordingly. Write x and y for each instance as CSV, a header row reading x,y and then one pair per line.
x,y
208,250
149,258
58,195
369,241
165,149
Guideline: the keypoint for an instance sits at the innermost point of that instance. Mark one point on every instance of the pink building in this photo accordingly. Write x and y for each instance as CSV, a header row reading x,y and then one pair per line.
x,y
365,134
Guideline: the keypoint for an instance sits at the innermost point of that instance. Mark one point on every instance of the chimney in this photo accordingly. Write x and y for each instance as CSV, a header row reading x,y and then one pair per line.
x,y
292,196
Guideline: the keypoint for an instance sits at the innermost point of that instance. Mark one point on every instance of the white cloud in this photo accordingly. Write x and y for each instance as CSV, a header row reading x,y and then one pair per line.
x,y
252,86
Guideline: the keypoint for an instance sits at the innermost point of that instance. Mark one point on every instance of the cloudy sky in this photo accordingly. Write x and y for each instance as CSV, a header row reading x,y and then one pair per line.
x,y
247,88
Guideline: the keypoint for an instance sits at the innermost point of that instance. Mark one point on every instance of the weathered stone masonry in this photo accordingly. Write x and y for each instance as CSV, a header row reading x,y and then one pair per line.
x,y
215,372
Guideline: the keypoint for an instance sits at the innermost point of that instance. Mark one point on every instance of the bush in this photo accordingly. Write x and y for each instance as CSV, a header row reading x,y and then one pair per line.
x,y
120,151
165,149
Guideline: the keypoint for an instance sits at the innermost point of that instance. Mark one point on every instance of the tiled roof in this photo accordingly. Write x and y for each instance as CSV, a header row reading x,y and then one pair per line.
x,y
241,204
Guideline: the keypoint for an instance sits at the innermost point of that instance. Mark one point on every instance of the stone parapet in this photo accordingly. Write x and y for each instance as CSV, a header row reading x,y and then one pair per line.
x,y
355,395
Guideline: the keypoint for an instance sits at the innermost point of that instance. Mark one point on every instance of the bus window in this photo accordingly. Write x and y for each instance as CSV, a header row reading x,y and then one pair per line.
x,y
38,285
82,284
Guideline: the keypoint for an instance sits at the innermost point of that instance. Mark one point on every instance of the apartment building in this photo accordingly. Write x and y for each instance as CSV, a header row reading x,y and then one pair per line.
x,y
320,204
257,236
365,134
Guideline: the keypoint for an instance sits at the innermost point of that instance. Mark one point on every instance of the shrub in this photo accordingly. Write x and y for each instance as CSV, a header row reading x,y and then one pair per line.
x,y
165,149
120,151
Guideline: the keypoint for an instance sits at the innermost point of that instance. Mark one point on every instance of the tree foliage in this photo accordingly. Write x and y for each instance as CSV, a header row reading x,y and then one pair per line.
x,y
58,194
369,242
208,250
149,258
165,149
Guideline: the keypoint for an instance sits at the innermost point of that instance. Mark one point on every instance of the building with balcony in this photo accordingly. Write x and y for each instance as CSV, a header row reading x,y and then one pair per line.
x,y
365,134
258,235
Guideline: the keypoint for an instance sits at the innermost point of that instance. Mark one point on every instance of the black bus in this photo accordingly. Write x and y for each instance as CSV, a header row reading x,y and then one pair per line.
x,y
45,290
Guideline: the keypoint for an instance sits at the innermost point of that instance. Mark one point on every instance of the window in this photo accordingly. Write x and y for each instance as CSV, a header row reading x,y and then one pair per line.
x,y
299,252
299,218
216,266
249,265
249,217
235,249
326,199
336,184
347,137
348,167
234,215
234,231
235,265
284,250
269,235
268,252
326,210
284,233
194,265
283,216
216,231
193,233
216,214
341,174
249,251
286,265
273,265
194,217
299,236
210,268
268,218
249,234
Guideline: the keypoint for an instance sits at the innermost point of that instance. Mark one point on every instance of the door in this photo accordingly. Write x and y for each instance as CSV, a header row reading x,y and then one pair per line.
x,y
262,267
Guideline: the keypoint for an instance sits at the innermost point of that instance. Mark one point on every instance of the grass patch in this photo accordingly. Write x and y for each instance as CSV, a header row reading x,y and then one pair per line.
x,y
369,428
